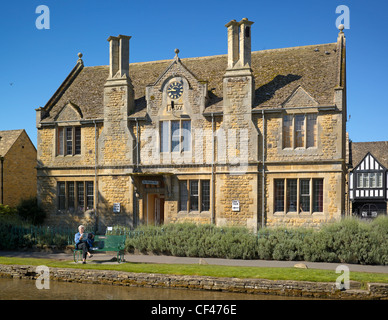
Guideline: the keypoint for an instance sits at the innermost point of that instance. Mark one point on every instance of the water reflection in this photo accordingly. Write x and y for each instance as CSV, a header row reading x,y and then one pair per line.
x,y
21,289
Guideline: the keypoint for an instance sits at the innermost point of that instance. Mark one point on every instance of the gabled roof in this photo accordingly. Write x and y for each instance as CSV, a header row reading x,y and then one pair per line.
x,y
7,139
379,150
278,73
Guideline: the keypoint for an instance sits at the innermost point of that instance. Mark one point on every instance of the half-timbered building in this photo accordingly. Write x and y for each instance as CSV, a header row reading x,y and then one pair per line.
x,y
368,189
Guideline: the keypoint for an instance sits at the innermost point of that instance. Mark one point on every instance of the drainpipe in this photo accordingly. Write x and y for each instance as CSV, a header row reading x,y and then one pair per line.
x,y
2,180
212,183
137,144
95,175
263,174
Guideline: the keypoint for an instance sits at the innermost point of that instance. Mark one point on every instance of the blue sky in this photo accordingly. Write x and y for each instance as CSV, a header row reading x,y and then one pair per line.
x,y
35,62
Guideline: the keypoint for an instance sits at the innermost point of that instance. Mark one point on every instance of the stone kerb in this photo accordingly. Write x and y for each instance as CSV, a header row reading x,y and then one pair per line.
x,y
253,286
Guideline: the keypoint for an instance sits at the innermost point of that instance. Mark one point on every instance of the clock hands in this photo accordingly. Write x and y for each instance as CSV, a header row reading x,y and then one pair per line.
x,y
175,90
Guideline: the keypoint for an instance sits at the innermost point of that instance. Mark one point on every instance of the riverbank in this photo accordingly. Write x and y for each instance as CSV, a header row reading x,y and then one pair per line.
x,y
290,288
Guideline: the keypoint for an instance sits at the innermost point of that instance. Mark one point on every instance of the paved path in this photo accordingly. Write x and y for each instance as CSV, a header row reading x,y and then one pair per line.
x,y
105,258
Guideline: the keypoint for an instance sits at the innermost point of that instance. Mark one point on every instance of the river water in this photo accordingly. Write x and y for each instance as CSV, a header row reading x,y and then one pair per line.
x,y
22,289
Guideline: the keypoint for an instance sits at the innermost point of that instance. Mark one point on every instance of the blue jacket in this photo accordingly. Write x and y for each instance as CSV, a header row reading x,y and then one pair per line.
x,y
77,240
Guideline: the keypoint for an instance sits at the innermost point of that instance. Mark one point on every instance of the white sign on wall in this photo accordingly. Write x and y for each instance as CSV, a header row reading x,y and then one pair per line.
x,y
235,205
116,207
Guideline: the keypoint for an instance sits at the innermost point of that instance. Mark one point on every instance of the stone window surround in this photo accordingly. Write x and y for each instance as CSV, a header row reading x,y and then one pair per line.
x,y
170,135
306,134
74,146
298,211
200,195
88,197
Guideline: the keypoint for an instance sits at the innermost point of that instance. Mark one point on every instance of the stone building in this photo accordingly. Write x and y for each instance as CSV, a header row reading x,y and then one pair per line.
x,y
368,177
248,138
17,167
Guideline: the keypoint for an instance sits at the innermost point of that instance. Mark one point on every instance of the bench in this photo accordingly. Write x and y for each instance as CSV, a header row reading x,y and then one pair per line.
x,y
106,243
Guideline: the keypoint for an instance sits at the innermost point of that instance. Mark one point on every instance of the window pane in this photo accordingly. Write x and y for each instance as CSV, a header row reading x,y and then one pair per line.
x,y
279,195
77,141
71,196
372,180
299,131
164,136
304,195
366,180
183,195
194,195
379,180
186,134
175,136
60,141
359,180
69,141
291,195
81,196
311,130
318,195
61,195
89,194
205,195
287,132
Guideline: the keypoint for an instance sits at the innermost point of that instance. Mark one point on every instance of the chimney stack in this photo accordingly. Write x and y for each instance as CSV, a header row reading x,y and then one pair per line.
x,y
119,56
245,43
233,54
239,43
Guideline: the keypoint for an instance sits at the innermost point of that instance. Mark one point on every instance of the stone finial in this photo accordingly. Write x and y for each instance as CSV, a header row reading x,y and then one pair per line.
x,y
341,27
80,55
176,55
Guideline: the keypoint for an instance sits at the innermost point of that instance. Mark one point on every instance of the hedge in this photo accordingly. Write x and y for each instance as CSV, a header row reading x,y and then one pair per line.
x,y
348,241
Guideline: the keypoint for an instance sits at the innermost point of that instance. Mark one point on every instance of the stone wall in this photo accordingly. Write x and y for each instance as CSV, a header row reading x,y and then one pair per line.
x,y
19,179
115,189
115,142
253,286
241,187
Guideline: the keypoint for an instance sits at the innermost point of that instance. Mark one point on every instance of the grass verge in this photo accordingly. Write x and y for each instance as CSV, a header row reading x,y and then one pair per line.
x,y
315,275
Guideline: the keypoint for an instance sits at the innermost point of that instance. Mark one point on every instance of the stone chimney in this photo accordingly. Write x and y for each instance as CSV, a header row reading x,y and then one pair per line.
x,y
238,96
115,141
245,43
239,44
119,56
233,43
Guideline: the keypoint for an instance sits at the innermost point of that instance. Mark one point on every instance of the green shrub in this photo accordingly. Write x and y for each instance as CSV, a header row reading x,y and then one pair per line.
x,y
191,240
348,241
8,214
30,211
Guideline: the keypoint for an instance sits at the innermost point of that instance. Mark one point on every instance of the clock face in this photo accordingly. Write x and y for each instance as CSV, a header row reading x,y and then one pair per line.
x,y
175,90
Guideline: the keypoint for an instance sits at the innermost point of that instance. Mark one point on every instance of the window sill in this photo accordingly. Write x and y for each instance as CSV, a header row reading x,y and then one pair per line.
x,y
192,212
300,149
305,213
67,156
